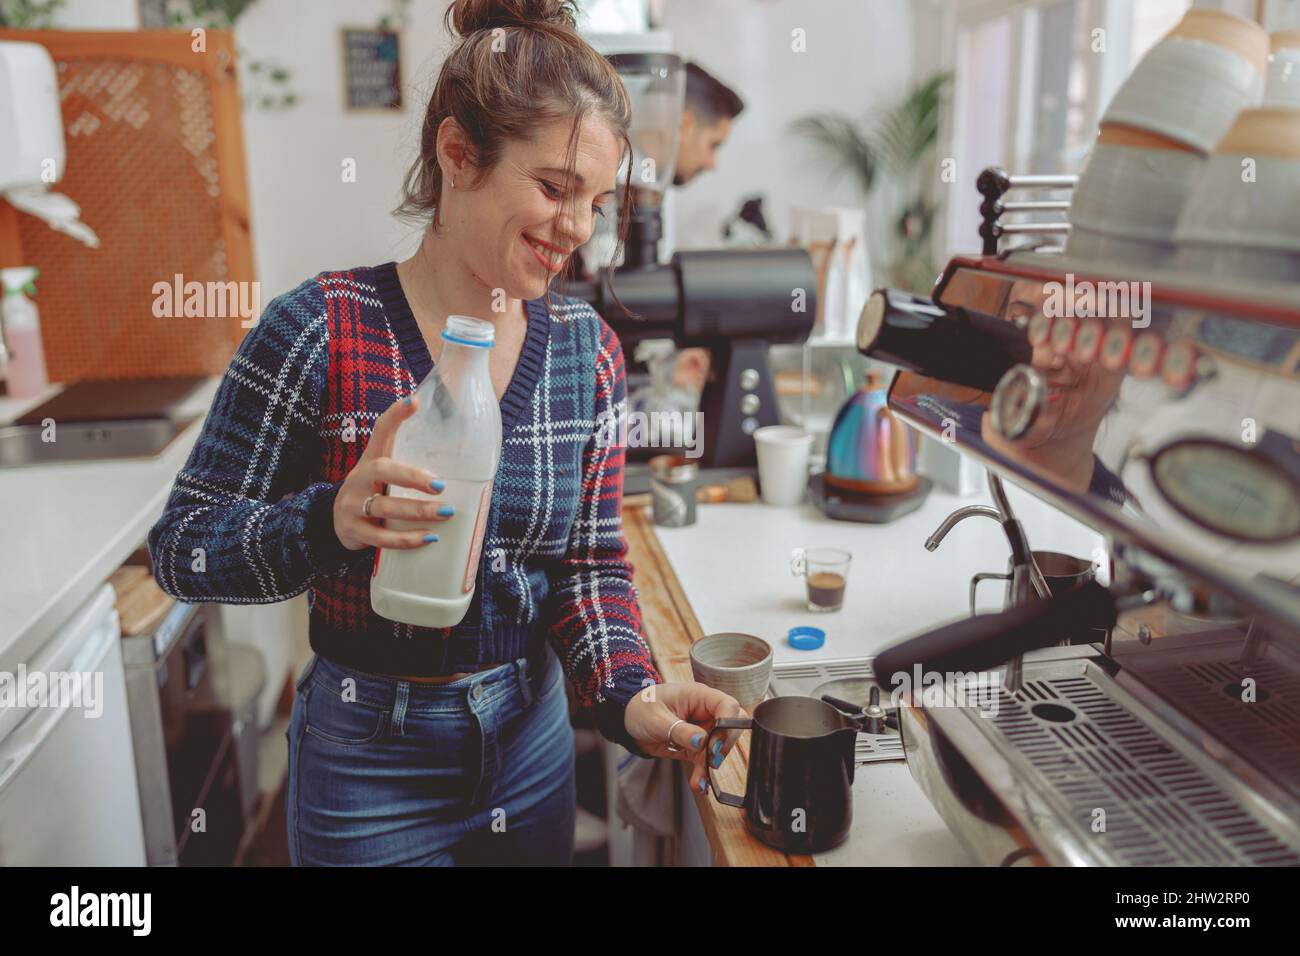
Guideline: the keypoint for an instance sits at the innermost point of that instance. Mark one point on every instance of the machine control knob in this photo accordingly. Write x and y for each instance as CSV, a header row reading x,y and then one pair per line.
x,y
749,379
750,404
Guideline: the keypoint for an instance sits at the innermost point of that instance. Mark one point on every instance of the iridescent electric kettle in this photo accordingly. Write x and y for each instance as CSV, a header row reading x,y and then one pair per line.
x,y
870,450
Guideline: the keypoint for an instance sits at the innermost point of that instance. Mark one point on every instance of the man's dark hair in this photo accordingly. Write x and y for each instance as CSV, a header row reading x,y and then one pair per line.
x,y
708,98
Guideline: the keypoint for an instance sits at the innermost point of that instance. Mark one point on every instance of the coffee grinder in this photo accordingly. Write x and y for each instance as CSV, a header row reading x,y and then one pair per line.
x,y
735,303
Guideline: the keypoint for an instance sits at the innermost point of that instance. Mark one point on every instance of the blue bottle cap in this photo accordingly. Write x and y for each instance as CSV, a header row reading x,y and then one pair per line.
x,y
806,638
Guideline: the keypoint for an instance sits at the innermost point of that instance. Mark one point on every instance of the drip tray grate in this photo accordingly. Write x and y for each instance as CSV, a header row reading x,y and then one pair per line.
x,y
1254,710
802,678
1117,782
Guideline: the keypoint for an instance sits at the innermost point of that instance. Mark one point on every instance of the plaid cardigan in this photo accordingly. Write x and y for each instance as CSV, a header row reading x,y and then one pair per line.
x,y
250,517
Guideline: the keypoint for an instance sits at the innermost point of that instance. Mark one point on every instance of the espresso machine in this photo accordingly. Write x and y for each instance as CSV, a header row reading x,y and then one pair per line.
x,y
1172,737
733,302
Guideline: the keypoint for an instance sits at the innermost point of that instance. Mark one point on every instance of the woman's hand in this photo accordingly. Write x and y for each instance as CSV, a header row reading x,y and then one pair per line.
x,y
653,712
373,473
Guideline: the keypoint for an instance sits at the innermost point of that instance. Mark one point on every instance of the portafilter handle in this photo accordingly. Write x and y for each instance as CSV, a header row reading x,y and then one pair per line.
x,y
988,641
949,343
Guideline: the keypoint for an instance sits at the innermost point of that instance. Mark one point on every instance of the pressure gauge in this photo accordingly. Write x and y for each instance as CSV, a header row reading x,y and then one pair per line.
x,y
1237,492
1017,401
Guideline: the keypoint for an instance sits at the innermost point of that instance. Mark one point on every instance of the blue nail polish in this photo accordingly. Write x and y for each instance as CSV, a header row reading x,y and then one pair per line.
x,y
717,748
704,785
446,511
430,538
437,485
407,400
697,740
717,761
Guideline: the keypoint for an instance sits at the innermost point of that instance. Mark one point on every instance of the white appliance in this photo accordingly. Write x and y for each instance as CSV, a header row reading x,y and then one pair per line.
x,y
68,794
32,154
30,116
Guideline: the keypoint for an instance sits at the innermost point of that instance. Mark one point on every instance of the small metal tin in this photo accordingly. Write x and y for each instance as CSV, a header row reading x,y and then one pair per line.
x,y
673,482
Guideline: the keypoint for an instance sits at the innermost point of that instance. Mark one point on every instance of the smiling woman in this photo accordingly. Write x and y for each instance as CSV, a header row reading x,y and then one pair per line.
x,y
531,125
413,745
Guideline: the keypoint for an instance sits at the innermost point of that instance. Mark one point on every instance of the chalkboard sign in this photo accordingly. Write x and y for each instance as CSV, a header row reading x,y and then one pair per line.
x,y
372,73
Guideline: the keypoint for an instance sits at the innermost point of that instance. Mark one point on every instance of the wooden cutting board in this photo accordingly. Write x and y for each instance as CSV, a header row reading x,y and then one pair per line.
x,y
141,604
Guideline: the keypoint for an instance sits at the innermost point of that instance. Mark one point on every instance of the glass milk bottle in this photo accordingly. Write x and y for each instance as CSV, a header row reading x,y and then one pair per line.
x,y
455,433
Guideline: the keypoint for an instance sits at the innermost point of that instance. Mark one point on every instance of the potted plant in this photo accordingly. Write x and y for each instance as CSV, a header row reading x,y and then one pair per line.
x,y
892,147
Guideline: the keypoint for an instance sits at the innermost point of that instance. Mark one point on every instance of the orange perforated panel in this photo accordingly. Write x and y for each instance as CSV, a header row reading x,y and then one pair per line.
x,y
155,160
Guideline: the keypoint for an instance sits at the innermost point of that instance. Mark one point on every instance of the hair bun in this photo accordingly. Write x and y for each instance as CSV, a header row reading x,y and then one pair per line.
x,y
468,16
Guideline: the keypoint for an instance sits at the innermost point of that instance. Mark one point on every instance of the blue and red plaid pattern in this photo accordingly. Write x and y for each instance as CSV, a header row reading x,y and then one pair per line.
x,y
250,517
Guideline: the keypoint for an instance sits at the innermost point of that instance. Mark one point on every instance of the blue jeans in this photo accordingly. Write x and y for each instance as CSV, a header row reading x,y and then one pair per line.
x,y
387,772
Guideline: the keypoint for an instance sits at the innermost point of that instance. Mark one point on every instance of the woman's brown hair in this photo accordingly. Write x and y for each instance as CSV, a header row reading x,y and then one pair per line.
x,y
519,64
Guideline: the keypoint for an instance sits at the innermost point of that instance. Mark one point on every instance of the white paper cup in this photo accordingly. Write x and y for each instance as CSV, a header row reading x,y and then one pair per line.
x,y
1255,212
1127,202
783,452
1187,90
1238,262
1241,217
1282,88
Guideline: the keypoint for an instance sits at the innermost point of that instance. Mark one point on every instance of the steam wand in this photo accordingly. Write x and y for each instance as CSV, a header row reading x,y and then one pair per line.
x,y
1027,581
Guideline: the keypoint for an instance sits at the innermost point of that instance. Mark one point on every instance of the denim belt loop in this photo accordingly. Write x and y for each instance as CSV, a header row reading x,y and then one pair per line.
x,y
525,677
397,721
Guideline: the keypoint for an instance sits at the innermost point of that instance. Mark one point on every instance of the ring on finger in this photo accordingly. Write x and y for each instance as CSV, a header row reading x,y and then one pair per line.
x,y
365,505
672,746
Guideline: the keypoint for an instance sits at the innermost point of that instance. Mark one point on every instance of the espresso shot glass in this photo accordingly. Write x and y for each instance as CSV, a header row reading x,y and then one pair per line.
x,y
826,574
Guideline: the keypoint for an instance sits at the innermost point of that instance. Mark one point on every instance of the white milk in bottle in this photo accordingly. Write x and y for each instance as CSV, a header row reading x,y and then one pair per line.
x,y
455,433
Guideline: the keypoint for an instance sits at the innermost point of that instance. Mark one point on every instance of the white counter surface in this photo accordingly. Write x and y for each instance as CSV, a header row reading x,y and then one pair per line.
x,y
67,527
734,565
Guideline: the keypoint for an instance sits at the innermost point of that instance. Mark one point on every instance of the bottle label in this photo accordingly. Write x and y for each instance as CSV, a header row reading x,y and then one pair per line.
x,y
476,543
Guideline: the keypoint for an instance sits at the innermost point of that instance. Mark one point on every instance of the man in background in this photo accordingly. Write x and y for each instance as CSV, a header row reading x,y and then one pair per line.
x,y
707,111
709,108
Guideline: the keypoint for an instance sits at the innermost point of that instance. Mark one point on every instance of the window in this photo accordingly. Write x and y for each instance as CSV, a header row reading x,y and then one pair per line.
x,y
613,16
1033,78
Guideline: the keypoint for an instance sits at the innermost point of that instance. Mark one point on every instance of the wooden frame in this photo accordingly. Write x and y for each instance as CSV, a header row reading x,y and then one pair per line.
x,y
173,47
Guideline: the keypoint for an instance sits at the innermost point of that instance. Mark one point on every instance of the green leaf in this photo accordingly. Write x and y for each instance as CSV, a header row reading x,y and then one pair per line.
x,y
847,148
904,133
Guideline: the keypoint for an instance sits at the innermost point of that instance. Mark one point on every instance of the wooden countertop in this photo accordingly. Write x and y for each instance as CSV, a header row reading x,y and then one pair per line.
x,y
737,559
671,628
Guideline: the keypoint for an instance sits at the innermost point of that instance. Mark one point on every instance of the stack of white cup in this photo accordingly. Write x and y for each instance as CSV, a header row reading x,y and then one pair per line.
x,y
1155,136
